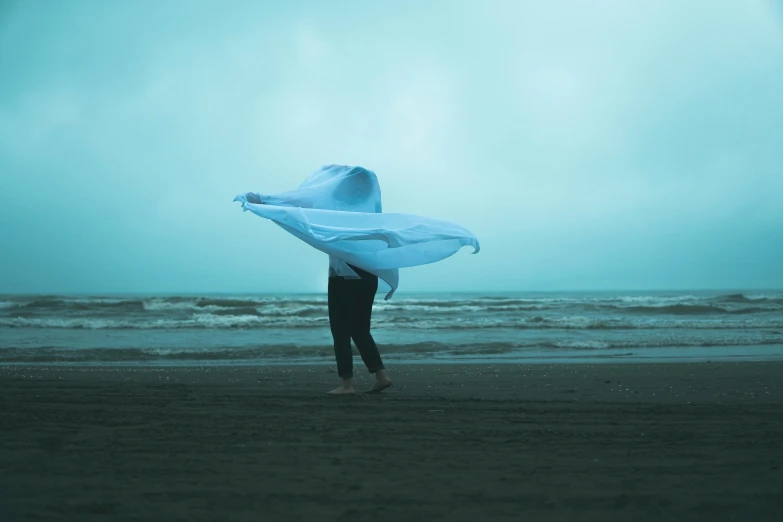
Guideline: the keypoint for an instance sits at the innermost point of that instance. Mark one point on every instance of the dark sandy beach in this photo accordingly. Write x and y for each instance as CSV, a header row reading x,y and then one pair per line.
x,y
701,441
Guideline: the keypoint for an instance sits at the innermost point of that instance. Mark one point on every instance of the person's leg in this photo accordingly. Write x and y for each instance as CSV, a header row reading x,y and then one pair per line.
x,y
360,329
360,326
340,303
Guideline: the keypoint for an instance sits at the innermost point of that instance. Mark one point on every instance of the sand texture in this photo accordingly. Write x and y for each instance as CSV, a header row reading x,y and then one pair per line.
x,y
700,441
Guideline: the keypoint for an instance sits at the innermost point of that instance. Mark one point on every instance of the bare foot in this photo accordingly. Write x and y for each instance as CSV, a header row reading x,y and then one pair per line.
x,y
380,385
342,390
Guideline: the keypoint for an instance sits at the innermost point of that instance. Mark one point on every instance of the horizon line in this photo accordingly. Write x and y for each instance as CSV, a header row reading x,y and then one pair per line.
x,y
537,291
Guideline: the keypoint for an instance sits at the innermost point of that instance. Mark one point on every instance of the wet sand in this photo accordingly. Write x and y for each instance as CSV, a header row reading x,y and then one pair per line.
x,y
699,441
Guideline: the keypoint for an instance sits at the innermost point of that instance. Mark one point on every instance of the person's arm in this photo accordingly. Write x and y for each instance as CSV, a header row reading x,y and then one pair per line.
x,y
281,200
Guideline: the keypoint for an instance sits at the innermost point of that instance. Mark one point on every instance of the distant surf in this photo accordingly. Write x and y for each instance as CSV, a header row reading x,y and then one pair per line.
x,y
229,328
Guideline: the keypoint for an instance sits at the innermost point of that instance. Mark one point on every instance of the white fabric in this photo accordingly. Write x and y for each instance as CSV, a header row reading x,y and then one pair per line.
x,y
338,210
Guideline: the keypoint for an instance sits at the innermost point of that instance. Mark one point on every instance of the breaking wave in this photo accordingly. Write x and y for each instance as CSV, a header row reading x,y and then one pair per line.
x,y
456,312
255,320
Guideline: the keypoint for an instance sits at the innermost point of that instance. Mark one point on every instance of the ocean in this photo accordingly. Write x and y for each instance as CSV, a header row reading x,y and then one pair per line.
x,y
427,327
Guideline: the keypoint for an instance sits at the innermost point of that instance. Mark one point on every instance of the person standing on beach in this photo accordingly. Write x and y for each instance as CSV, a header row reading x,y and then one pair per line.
x,y
351,290
338,211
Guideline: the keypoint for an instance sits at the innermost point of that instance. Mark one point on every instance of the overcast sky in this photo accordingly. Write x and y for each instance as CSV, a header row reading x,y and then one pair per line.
x,y
588,144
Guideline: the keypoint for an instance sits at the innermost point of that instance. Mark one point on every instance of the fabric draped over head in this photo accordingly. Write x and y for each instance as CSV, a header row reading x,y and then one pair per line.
x,y
338,210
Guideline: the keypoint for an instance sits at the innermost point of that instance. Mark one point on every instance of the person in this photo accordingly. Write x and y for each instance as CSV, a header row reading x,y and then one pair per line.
x,y
351,294
338,210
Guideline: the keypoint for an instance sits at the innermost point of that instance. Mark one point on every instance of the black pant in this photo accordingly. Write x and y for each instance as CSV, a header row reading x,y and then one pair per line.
x,y
350,310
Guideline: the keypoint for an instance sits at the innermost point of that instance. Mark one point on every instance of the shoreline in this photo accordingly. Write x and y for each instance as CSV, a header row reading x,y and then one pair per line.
x,y
729,354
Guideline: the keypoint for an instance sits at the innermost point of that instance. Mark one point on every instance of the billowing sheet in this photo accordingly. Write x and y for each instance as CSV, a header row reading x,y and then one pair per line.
x,y
338,210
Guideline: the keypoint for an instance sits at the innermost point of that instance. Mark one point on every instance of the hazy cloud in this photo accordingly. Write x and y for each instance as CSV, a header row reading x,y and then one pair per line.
x,y
589,145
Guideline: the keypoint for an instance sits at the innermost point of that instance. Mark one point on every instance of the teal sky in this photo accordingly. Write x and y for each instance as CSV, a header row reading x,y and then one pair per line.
x,y
589,145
